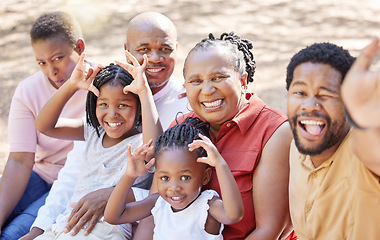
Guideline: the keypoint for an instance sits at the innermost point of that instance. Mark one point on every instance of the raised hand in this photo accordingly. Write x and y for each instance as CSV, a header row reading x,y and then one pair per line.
x,y
137,164
361,89
213,156
83,78
140,82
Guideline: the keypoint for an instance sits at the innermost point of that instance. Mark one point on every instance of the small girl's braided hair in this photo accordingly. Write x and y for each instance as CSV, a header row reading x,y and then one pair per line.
x,y
240,48
113,75
181,135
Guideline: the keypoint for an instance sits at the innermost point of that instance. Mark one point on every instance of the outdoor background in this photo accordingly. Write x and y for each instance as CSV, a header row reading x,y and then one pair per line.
x,y
278,29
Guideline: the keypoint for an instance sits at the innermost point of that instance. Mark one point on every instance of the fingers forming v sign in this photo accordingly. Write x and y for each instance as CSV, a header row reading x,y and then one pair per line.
x,y
82,78
361,89
137,71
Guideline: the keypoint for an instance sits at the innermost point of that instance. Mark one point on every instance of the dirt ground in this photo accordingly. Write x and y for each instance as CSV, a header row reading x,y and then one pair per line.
x,y
278,28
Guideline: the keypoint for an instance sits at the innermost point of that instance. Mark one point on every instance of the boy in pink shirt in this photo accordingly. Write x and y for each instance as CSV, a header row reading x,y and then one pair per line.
x,y
35,159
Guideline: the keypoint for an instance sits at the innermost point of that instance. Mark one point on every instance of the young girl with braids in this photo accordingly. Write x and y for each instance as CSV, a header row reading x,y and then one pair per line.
x,y
253,138
181,210
115,108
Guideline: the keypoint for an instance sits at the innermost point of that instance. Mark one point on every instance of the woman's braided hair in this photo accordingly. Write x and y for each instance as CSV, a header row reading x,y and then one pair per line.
x,y
181,135
113,75
244,59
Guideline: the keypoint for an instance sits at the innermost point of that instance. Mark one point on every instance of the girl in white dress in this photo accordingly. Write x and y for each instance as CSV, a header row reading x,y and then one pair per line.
x,y
181,210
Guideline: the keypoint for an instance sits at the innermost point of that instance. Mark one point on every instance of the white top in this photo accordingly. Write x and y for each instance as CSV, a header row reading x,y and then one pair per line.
x,y
167,104
101,168
186,224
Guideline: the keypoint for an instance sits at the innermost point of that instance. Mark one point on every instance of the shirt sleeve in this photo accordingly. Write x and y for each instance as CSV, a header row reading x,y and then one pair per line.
x,y
62,189
21,132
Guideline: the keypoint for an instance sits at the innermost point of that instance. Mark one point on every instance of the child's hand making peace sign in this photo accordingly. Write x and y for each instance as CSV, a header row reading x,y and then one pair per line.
x,y
140,83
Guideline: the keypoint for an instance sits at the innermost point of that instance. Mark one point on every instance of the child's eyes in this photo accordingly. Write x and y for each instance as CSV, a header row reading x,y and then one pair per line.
x,y
102,105
184,178
164,178
123,105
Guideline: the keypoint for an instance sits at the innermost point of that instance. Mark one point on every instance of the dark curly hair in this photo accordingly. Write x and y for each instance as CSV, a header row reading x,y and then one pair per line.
x,y
181,135
111,74
55,24
326,53
241,54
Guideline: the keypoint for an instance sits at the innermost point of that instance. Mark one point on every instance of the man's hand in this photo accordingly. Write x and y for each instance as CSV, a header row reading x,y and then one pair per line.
x,y
361,89
88,210
34,232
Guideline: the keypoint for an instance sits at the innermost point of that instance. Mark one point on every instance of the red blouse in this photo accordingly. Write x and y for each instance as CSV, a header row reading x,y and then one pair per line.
x,y
240,141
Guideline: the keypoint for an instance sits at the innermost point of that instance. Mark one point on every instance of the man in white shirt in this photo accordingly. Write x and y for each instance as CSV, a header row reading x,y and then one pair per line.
x,y
148,33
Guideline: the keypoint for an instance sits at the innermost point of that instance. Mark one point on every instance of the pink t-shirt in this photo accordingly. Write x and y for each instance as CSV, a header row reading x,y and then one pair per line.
x,y
30,96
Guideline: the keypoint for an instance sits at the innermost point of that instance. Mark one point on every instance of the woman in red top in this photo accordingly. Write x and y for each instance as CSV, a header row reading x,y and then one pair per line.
x,y
253,138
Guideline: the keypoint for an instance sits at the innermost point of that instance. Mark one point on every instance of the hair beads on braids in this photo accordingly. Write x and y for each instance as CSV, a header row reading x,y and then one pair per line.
x,y
181,135
113,75
241,48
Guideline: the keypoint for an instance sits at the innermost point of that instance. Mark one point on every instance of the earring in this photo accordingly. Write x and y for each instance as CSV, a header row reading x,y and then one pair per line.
x,y
187,106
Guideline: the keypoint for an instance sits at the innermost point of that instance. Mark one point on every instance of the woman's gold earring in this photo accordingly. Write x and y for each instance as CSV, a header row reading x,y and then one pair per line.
x,y
187,106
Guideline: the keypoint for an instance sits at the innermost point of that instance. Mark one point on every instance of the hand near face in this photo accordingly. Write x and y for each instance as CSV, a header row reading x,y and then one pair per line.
x,y
361,89
140,82
140,161
83,79
213,156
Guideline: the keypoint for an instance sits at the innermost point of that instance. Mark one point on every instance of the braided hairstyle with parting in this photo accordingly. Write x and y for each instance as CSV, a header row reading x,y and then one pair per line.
x,y
240,48
181,135
113,75
55,24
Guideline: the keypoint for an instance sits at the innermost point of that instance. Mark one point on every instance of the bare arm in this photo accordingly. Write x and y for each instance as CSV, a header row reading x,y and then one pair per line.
x,y
361,95
150,122
14,182
270,184
47,119
231,209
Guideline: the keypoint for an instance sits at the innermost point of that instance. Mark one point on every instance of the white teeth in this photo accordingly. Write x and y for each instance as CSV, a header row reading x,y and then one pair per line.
x,y
213,104
176,198
312,122
114,124
153,70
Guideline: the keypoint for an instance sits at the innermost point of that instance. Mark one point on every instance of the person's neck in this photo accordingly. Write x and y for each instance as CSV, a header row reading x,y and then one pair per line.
x,y
159,88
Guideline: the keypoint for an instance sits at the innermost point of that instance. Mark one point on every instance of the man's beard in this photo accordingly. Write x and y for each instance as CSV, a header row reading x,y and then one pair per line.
x,y
335,132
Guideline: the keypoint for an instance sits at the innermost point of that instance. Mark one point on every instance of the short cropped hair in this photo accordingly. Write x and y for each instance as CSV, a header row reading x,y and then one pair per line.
x,y
326,53
55,24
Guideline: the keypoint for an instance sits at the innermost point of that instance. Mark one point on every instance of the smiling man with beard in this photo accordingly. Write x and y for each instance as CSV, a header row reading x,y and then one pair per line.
x,y
334,187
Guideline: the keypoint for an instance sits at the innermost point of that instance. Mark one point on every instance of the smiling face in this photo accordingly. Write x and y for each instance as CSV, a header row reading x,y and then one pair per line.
x,y
215,90
180,177
56,58
315,109
160,45
116,112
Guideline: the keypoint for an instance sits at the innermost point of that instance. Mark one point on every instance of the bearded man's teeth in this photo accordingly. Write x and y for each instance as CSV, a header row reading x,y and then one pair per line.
x,y
311,122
